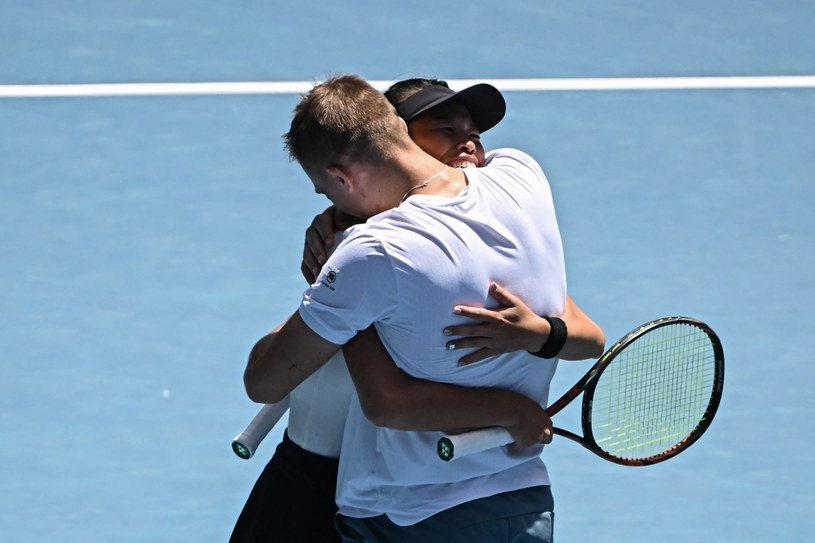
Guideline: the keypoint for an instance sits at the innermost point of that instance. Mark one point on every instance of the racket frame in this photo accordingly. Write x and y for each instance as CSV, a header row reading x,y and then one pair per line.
x,y
588,383
448,446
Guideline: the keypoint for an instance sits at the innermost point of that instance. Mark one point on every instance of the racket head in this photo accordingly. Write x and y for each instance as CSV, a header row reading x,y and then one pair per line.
x,y
654,392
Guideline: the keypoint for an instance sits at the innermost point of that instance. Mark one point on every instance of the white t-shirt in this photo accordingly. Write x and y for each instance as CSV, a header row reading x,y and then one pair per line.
x,y
319,406
404,270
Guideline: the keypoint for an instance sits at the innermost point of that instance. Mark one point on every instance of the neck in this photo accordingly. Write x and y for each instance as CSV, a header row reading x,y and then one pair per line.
x,y
414,172
423,184
423,174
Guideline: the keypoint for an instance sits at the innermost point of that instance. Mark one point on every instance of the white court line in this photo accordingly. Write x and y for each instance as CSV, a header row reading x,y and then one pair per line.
x,y
294,87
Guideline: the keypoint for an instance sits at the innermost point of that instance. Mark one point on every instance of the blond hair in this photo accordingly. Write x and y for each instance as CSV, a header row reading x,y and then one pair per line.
x,y
343,117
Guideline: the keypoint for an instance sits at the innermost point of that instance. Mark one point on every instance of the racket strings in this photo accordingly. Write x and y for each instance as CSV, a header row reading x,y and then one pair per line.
x,y
655,393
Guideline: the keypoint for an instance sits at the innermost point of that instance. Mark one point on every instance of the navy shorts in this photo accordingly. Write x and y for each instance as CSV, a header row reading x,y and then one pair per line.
x,y
521,516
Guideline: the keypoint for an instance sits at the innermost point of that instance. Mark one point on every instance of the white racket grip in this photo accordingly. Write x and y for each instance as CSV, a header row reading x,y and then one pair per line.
x,y
459,445
247,441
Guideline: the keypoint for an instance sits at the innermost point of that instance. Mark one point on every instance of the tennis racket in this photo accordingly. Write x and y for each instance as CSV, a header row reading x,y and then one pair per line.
x,y
647,399
247,441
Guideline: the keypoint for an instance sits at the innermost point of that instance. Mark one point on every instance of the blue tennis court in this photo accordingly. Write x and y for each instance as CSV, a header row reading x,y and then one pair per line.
x,y
148,239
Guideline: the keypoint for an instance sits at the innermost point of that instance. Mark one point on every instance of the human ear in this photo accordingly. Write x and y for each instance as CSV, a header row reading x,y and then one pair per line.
x,y
340,173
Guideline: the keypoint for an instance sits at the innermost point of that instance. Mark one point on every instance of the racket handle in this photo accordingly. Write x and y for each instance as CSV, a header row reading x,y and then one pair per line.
x,y
459,445
245,443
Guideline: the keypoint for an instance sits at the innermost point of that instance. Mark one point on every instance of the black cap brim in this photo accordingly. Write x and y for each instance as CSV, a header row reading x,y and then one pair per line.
x,y
484,102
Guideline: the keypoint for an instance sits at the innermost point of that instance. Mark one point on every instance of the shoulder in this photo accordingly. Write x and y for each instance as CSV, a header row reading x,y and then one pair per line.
x,y
367,246
508,158
359,263
512,164
359,242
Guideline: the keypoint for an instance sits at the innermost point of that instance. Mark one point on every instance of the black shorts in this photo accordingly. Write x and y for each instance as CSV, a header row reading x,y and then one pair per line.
x,y
292,501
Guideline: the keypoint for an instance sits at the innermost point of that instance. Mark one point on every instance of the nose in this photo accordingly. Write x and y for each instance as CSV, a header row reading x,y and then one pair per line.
x,y
467,145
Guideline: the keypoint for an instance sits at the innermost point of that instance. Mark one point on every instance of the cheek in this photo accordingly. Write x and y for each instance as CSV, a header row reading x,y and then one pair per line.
x,y
434,147
479,154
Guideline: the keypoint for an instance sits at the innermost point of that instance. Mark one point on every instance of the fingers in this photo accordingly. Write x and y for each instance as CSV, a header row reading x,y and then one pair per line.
x,y
311,262
343,220
484,346
308,273
524,440
503,295
490,339
464,330
476,313
476,356
316,244
319,236
310,267
534,426
546,436
323,225
509,302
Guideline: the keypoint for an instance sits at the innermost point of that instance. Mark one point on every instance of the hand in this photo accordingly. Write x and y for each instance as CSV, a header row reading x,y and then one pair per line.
x,y
533,427
320,237
513,327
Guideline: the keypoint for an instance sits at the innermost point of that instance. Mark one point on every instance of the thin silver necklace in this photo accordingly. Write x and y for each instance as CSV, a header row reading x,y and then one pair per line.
x,y
422,185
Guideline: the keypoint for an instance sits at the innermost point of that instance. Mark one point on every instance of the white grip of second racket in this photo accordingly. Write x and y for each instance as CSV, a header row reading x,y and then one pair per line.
x,y
456,446
245,443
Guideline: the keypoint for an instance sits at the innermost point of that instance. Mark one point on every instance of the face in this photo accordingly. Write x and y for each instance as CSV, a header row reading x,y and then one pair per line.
x,y
331,187
448,133
335,185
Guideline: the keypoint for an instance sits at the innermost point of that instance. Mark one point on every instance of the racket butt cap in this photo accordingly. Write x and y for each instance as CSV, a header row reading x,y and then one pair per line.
x,y
445,449
242,450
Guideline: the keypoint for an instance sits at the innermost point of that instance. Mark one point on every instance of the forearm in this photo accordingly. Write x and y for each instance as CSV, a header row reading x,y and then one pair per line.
x,y
260,383
391,398
283,359
585,338
421,405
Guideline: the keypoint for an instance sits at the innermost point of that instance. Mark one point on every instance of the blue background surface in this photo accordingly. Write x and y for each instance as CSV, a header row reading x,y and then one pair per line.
x,y
146,242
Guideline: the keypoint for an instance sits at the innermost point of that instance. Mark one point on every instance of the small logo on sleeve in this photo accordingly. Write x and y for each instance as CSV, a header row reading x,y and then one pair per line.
x,y
329,277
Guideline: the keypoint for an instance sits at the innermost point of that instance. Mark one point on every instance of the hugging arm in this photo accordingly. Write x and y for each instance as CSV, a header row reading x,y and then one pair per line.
x,y
515,327
283,359
393,399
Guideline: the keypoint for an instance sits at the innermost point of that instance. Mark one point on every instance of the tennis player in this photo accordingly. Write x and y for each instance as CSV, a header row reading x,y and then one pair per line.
x,y
398,491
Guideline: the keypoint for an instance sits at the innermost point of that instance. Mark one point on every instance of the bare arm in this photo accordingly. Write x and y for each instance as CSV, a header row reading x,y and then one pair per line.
x,y
280,361
515,327
586,339
391,398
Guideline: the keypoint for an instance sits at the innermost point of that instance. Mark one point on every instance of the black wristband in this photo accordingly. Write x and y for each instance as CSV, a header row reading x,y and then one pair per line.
x,y
555,341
